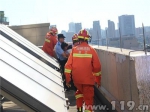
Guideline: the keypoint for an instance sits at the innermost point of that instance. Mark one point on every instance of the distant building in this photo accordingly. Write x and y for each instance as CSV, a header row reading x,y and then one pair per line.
x,y
106,31
71,27
138,32
126,43
130,43
75,27
147,36
117,33
90,31
96,30
127,25
111,29
96,33
147,28
64,32
3,19
103,33
87,29
78,27
69,36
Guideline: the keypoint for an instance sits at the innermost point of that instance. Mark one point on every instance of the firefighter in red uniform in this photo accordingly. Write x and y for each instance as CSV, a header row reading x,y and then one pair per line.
x,y
85,67
50,41
75,40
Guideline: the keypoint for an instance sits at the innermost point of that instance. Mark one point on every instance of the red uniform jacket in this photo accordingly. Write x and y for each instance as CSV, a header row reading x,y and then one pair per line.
x,y
84,65
49,44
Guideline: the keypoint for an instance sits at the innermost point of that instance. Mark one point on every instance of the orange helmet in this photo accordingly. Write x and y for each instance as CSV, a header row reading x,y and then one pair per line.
x,y
83,34
53,30
75,37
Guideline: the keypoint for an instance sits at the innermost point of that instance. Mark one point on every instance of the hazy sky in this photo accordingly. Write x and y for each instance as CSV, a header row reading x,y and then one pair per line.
x,y
61,12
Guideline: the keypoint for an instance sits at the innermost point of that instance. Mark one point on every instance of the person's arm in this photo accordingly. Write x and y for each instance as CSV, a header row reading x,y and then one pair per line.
x,y
96,67
69,47
65,55
54,52
60,51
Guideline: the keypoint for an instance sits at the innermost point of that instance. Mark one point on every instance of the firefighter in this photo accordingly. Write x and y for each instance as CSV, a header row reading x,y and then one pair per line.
x,y
75,40
50,41
85,67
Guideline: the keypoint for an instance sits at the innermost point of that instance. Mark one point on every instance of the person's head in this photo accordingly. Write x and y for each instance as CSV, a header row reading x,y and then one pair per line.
x,y
61,38
83,36
75,39
64,46
53,31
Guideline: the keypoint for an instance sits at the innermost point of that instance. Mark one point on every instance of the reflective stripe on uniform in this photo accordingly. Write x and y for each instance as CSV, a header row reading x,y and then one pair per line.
x,y
97,74
79,96
75,39
82,55
47,40
80,108
87,111
67,71
83,37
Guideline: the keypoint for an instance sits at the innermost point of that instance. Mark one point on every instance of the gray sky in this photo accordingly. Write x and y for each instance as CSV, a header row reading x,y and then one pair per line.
x,y
61,12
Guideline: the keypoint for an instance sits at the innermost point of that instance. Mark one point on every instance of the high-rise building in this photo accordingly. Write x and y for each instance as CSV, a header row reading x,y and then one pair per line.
x,y
147,28
103,33
64,32
111,29
117,33
78,27
90,31
69,36
75,27
138,32
71,27
127,25
87,29
3,19
96,34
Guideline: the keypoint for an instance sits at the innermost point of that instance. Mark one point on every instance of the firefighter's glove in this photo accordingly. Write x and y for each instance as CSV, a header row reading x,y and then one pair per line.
x,y
68,85
98,81
97,84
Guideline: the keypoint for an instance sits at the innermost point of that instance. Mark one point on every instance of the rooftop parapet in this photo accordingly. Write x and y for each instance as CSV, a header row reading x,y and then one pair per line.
x,y
125,77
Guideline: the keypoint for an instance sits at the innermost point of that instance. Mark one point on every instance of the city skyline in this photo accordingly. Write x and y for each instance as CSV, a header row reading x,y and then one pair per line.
x,y
61,12
126,23
112,25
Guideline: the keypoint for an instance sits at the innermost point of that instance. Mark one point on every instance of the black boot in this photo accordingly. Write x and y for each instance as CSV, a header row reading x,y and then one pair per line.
x,y
79,109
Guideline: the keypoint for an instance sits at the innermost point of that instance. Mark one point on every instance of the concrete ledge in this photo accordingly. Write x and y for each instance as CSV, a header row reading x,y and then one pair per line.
x,y
123,52
29,26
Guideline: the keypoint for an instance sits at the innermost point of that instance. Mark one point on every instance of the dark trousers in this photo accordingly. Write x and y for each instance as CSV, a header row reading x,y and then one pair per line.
x,y
62,64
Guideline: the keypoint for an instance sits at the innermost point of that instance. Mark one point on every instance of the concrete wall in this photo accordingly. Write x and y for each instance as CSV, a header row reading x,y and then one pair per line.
x,y
125,78
35,33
